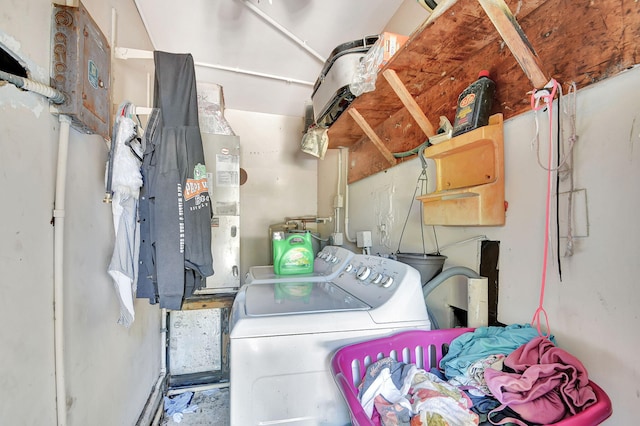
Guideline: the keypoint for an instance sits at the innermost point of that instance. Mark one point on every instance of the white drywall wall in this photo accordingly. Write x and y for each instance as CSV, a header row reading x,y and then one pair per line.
x,y
281,180
110,369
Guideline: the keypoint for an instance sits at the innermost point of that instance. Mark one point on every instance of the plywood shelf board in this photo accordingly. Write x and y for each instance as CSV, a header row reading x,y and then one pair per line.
x,y
515,38
362,123
444,55
409,102
427,60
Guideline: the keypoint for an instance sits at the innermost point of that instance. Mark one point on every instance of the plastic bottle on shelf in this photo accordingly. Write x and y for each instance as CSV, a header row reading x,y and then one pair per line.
x,y
474,104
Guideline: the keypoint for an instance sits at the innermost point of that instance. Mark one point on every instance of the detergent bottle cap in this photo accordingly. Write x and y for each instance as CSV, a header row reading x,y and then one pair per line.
x,y
484,73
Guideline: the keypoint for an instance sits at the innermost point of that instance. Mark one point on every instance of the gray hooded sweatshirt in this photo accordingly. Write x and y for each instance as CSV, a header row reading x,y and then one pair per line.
x,y
175,207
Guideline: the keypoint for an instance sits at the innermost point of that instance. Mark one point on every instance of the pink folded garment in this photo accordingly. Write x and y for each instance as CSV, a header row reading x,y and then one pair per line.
x,y
548,382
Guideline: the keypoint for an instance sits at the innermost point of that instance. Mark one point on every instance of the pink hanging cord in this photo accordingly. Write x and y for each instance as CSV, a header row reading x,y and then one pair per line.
x,y
546,95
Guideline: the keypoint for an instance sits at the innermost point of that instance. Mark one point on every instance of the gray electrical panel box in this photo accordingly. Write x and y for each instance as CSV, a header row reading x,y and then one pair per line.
x,y
80,66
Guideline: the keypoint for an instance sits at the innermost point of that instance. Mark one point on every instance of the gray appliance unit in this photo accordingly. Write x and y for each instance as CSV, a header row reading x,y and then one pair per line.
x,y
222,158
331,92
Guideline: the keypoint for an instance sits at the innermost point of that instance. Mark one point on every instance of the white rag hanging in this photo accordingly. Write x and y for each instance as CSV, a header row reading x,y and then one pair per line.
x,y
126,181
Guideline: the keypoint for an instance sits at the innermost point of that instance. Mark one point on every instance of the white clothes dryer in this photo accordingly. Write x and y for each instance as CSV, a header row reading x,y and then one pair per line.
x,y
284,333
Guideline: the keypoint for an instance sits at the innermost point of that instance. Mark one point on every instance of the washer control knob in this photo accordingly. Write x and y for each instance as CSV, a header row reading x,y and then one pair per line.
x,y
386,282
377,277
335,259
363,273
348,268
322,255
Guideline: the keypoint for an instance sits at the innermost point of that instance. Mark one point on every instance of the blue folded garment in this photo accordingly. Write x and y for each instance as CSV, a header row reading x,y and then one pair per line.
x,y
482,342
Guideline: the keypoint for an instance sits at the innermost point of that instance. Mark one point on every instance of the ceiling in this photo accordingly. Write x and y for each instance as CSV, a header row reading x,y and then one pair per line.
x,y
242,37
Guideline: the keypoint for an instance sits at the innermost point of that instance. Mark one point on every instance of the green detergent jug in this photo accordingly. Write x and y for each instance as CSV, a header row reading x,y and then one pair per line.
x,y
293,254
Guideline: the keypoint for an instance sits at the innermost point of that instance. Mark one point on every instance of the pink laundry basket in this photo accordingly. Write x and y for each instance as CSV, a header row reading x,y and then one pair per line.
x,y
425,349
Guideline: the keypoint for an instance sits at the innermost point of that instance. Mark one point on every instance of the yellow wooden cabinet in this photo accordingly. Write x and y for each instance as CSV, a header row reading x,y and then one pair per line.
x,y
469,178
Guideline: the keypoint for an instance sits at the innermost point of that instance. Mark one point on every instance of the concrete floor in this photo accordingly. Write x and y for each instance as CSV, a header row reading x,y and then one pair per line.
x,y
212,409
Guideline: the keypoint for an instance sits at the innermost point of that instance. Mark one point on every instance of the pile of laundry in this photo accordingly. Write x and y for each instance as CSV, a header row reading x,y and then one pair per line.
x,y
493,375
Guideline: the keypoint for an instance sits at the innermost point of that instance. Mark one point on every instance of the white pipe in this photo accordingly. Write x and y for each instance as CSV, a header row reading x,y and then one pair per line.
x,y
264,16
127,53
477,302
339,186
58,265
163,344
114,26
346,200
254,73
338,199
148,90
283,30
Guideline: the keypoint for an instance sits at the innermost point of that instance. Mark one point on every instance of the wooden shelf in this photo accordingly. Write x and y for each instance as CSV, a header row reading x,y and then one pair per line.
x,y
469,178
423,79
211,301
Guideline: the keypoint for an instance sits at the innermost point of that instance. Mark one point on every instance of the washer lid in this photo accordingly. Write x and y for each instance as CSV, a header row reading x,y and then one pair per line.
x,y
265,274
288,298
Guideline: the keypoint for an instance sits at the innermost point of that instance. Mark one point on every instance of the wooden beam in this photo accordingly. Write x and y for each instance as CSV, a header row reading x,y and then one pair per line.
x,y
510,31
360,121
409,103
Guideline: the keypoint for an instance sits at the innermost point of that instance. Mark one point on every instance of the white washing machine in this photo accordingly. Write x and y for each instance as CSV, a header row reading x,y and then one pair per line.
x,y
283,334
